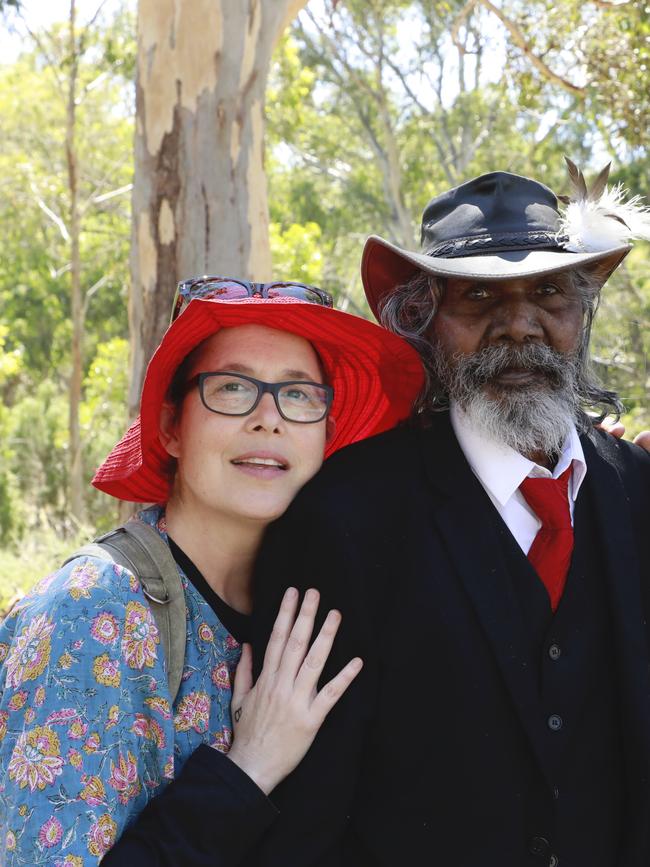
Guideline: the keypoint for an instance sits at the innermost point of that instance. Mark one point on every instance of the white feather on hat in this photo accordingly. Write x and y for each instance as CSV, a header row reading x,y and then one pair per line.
x,y
599,218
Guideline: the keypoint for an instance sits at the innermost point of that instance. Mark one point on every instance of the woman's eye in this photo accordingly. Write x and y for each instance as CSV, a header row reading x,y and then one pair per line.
x,y
297,394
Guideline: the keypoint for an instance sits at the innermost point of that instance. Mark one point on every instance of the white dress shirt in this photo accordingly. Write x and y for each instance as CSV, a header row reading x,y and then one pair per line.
x,y
501,470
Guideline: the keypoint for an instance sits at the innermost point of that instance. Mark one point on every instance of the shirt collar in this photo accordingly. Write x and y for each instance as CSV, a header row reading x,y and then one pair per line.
x,y
501,469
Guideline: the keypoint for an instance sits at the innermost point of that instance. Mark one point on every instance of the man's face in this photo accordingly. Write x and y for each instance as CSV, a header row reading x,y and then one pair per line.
x,y
474,315
507,353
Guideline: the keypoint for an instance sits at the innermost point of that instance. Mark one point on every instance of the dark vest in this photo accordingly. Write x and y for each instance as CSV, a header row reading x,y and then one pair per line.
x,y
572,661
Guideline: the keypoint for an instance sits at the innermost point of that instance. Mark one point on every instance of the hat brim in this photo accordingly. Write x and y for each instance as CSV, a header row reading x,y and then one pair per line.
x,y
376,377
385,266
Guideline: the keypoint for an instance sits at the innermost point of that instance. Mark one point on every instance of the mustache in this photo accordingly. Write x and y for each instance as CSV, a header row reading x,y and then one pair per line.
x,y
481,367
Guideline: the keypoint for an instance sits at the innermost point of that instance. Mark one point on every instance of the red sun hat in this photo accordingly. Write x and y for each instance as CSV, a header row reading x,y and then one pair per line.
x,y
375,374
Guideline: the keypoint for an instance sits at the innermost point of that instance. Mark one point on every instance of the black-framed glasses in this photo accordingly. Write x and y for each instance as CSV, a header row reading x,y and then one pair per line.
x,y
229,393
233,289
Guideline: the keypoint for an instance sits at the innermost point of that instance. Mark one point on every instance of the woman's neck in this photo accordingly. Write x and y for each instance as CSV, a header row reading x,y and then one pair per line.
x,y
222,549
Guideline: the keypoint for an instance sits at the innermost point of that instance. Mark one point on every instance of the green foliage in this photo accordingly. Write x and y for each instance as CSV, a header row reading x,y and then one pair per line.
x,y
35,325
296,252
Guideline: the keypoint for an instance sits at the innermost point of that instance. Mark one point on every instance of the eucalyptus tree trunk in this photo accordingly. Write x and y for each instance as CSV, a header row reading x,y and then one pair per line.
x,y
199,196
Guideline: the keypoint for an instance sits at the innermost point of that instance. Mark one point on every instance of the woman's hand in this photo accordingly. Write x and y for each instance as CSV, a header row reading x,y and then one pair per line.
x,y
617,429
276,720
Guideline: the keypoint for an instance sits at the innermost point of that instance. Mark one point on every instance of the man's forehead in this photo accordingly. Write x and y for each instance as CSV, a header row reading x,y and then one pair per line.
x,y
564,278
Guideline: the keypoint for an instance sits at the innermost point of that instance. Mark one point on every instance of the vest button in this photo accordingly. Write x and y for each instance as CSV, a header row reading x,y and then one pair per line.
x,y
554,722
539,846
555,652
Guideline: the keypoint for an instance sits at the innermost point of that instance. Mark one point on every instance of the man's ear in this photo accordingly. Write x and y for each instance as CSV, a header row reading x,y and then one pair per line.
x,y
168,429
330,429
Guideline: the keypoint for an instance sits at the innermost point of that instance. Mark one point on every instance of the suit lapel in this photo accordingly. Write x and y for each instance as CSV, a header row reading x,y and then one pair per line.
x,y
474,531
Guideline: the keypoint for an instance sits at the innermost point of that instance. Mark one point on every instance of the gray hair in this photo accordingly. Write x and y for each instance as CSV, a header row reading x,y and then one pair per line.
x,y
409,310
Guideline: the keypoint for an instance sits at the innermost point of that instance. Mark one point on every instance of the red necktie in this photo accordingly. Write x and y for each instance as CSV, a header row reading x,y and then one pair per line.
x,y
550,553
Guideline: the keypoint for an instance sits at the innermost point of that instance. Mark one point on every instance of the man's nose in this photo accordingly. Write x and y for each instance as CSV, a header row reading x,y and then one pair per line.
x,y
517,320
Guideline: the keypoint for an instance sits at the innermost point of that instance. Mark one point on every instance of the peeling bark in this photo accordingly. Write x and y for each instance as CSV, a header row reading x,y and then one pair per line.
x,y
199,195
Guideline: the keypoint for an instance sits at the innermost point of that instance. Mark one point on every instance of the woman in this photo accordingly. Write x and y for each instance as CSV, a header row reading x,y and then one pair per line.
x,y
250,387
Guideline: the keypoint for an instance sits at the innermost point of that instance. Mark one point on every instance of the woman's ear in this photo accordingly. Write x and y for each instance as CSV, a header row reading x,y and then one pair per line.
x,y
168,429
330,429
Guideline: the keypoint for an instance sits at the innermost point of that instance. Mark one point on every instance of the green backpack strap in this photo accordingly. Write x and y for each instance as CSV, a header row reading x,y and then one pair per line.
x,y
138,547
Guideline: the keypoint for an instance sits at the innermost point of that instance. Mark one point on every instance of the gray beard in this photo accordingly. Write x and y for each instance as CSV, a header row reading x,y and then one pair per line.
x,y
532,418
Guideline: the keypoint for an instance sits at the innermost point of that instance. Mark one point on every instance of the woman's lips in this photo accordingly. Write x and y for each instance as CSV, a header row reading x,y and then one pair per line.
x,y
261,465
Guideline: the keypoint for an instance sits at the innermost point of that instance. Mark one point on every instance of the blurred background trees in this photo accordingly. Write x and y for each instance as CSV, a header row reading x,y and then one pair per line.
x,y
371,107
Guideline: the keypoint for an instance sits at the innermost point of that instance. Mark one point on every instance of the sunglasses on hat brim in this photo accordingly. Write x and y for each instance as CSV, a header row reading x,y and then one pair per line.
x,y
233,289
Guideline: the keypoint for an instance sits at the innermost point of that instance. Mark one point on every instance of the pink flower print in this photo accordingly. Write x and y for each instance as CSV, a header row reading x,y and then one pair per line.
x,y
70,861
168,770
221,676
76,759
134,584
222,740
193,713
159,704
205,633
18,699
105,628
140,636
39,696
62,717
82,579
66,660
4,649
35,761
4,716
30,715
107,670
10,841
148,728
93,792
113,716
78,730
92,744
43,585
30,652
101,836
124,778
231,643
50,833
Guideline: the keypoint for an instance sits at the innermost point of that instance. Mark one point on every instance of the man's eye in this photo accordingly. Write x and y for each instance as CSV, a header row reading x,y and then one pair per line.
x,y
548,289
478,293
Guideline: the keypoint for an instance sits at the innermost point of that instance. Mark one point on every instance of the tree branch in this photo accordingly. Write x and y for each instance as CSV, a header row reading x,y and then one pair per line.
x,y
58,222
458,22
522,43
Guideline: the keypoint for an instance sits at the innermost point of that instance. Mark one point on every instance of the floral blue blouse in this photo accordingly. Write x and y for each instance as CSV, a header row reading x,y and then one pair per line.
x,y
87,734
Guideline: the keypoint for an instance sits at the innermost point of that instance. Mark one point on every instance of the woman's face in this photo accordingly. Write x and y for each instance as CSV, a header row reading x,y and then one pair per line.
x,y
251,466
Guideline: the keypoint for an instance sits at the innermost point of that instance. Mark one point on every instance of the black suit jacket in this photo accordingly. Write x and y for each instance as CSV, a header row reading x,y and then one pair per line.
x,y
437,754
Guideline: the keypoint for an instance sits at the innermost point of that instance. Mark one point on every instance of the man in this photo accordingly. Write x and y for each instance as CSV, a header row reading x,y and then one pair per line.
x,y
492,564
